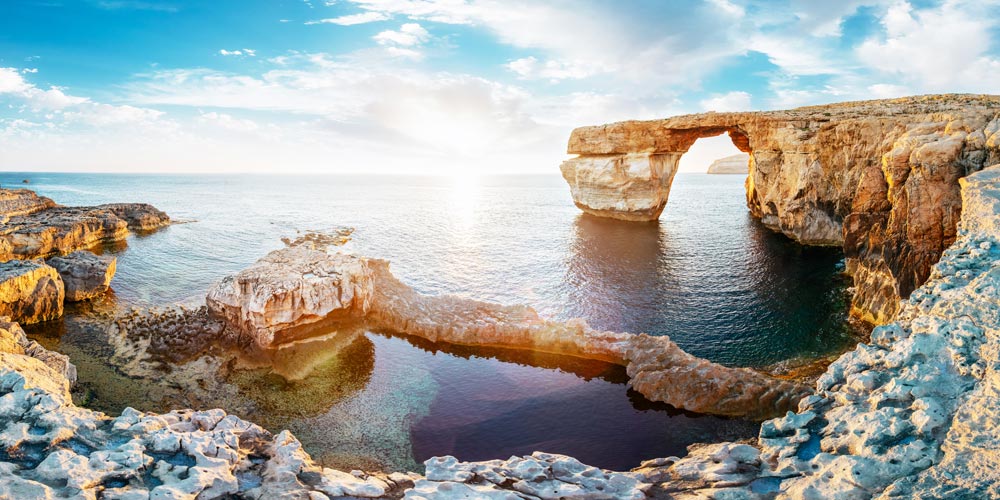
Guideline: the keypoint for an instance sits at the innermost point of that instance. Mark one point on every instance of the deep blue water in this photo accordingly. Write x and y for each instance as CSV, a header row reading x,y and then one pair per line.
x,y
709,276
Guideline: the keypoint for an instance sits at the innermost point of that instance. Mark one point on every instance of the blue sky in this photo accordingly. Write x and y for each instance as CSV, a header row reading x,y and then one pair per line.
x,y
441,86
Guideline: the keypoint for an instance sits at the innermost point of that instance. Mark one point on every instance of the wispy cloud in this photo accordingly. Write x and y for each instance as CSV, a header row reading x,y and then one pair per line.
x,y
352,19
238,52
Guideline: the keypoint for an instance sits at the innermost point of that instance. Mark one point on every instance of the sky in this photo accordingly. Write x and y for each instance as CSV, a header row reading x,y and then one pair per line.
x,y
442,86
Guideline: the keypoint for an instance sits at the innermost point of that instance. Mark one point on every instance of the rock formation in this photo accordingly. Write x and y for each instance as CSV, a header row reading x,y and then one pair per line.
x,y
36,227
913,414
15,202
735,164
14,341
292,292
84,274
30,291
879,178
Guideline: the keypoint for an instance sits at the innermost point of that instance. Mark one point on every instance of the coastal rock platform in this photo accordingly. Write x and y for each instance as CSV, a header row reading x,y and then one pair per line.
x,y
35,226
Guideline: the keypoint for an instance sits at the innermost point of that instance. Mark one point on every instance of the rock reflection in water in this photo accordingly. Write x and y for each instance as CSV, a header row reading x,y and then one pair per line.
x,y
305,378
757,298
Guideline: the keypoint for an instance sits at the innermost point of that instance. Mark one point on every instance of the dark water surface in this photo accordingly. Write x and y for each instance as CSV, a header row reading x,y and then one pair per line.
x,y
709,276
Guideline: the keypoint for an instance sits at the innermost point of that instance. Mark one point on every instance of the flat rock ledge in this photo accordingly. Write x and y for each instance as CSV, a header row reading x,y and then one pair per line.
x,y
35,226
297,291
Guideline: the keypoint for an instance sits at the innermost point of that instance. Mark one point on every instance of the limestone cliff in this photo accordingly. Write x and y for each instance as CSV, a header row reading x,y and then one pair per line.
x,y
879,178
735,164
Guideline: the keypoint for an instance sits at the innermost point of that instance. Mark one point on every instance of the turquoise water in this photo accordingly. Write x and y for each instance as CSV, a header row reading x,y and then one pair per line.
x,y
708,275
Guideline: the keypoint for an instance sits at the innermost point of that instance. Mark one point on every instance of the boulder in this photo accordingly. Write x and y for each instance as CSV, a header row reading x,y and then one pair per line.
x,y
84,274
290,289
30,291
14,341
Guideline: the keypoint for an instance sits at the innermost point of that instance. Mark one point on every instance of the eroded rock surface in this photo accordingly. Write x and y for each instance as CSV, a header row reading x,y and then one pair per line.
x,y
37,227
13,341
84,274
291,291
879,178
15,202
913,414
30,291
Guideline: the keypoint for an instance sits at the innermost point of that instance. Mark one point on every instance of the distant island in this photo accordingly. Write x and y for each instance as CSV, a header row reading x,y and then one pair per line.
x,y
735,164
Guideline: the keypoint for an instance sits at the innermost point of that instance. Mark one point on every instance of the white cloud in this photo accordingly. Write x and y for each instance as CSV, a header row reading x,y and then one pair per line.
x,y
409,35
102,115
644,45
352,19
228,122
531,68
11,81
944,48
29,70
238,52
732,101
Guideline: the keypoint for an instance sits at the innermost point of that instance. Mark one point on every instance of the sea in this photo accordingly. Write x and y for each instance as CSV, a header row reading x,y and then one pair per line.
x,y
707,274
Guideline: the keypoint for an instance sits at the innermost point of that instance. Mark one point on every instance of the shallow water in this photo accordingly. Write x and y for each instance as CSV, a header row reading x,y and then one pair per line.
x,y
721,285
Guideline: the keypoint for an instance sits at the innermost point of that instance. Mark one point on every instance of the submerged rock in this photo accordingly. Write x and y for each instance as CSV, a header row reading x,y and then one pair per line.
x,y
84,274
879,178
30,291
291,293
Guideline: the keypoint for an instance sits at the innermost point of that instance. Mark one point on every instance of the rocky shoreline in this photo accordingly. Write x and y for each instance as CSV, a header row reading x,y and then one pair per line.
x,y
911,414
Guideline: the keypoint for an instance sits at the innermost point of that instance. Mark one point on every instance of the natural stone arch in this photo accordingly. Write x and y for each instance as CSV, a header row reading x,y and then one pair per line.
x,y
879,178
635,185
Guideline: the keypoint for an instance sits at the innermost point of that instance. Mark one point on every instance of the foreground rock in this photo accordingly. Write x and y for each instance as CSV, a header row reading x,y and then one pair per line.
x,y
879,178
14,341
293,292
30,291
84,274
913,414
37,227
735,164
52,449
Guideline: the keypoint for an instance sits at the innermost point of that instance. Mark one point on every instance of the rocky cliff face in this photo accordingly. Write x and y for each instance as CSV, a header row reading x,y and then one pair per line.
x,y
30,291
879,178
735,164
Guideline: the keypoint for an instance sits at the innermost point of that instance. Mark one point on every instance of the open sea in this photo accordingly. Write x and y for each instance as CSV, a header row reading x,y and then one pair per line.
x,y
707,274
